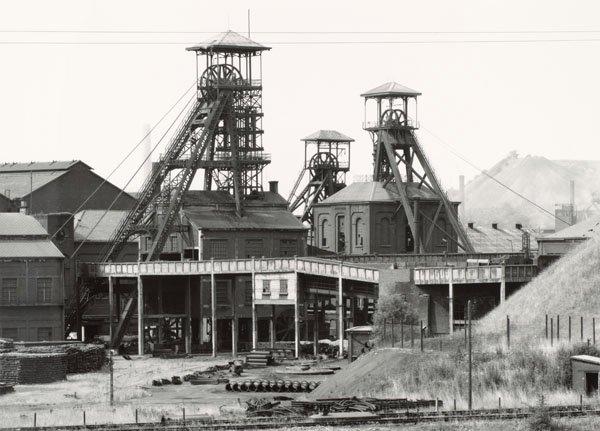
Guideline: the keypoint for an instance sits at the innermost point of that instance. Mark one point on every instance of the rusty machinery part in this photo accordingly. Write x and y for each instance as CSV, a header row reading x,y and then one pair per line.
x,y
216,76
393,116
322,163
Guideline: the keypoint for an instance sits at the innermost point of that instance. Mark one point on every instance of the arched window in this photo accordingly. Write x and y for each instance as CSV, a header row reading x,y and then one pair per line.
x,y
323,232
359,232
341,234
385,231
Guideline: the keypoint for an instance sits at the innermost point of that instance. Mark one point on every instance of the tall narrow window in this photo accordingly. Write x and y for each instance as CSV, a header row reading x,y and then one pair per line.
x,y
266,289
385,232
324,224
341,234
9,291
44,290
283,288
359,232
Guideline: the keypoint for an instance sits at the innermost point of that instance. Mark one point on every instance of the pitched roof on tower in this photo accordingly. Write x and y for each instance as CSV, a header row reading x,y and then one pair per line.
x,y
328,135
390,89
229,41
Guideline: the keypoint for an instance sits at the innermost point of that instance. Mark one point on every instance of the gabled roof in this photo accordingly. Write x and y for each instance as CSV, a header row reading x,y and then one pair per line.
x,y
43,248
41,166
390,89
107,223
253,219
228,41
582,230
374,191
220,197
503,239
328,136
20,225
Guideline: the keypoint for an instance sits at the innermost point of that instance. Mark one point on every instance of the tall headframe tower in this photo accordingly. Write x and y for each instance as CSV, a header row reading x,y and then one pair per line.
x,y
326,161
221,134
399,159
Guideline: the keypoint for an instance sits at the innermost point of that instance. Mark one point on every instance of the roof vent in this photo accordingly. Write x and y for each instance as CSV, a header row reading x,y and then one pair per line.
x,y
274,186
519,226
470,224
494,225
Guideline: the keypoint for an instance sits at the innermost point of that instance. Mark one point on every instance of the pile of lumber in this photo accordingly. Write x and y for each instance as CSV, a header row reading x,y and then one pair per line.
x,y
32,368
80,358
259,358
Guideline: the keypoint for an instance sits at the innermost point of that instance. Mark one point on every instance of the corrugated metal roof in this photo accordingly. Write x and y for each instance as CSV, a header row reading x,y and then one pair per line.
x,y
274,219
486,239
375,192
19,184
215,197
587,359
328,135
23,249
17,224
390,89
228,41
108,222
583,229
59,165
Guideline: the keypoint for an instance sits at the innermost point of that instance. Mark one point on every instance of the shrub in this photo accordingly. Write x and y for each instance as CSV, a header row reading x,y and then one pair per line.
x,y
393,307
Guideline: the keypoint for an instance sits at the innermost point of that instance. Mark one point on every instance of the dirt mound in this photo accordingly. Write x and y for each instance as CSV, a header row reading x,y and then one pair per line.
x,y
569,287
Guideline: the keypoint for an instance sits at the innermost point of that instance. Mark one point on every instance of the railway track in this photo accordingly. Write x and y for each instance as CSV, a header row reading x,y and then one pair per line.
x,y
397,418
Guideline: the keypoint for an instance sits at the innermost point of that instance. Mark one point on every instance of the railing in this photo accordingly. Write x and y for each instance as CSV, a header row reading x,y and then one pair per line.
x,y
313,266
474,274
390,124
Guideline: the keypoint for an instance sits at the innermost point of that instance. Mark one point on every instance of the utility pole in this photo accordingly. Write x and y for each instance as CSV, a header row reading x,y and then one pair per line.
x,y
470,346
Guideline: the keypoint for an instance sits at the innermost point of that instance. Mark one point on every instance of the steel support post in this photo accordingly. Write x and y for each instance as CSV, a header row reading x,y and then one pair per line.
x,y
254,320
296,312
140,304
188,316
213,308
341,310
450,304
503,284
111,308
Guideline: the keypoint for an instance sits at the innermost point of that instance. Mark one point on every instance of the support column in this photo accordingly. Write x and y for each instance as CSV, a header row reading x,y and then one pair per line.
x,y
341,311
160,326
111,308
201,328
450,303
503,284
272,327
316,327
234,334
296,316
254,322
140,304
213,308
188,316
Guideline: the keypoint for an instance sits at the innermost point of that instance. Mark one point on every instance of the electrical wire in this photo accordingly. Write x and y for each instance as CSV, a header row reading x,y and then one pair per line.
x,y
307,32
105,180
122,190
482,171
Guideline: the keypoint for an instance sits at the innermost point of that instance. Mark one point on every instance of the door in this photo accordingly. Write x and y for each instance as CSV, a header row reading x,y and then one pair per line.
x,y
224,334
591,384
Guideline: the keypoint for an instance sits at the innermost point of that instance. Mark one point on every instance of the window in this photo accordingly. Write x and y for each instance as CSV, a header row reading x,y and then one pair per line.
x,y
288,247
9,291
221,292
385,232
12,333
341,234
44,334
173,246
44,290
359,232
218,248
248,292
283,288
409,244
254,247
324,233
266,289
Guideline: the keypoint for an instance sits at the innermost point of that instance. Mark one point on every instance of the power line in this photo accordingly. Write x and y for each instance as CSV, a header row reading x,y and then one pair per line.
x,y
319,32
482,171
105,180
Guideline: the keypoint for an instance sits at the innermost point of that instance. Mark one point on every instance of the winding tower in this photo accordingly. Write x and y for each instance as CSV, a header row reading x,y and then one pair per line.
x,y
399,159
221,135
326,162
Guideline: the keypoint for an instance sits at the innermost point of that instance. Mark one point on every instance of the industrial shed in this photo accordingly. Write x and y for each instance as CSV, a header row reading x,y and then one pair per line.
x,y
31,281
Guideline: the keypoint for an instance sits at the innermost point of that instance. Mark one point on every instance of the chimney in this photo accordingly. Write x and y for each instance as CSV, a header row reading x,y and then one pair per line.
x,y
274,186
23,208
519,226
494,225
470,224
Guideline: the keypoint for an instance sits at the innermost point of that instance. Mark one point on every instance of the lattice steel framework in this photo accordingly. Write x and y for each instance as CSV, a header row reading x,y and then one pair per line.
x,y
221,134
395,149
326,161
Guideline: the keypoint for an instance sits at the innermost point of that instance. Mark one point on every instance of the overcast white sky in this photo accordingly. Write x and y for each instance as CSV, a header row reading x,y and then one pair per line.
x,y
91,102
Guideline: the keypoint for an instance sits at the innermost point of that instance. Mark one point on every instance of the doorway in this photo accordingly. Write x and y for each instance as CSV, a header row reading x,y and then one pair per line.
x,y
591,384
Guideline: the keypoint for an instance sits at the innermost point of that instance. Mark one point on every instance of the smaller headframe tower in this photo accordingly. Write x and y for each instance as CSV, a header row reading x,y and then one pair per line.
x,y
326,161
399,158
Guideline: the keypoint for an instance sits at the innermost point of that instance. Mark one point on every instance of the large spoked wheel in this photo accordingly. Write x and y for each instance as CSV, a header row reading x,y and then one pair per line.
x,y
216,76
393,117
322,163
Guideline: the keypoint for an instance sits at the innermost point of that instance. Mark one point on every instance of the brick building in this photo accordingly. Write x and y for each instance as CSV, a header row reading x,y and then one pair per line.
x,y
31,281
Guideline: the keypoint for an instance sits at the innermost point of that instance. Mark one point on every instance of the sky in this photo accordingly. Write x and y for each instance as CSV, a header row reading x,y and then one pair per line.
x,y
91,96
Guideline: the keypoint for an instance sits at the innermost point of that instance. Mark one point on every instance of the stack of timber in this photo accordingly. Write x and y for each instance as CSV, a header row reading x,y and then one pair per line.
x,y
5,388
259,358
80,358
32,368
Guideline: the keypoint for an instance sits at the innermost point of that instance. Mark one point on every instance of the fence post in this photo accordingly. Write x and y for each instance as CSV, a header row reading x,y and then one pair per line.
x,y
393,335
421,335
183,415
557,327
412,336
546,326
470,356
551,331
84,424
594,330
454,404
384,325
35,419
569,329
508,332
581,318
136,416
402,334
499,403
